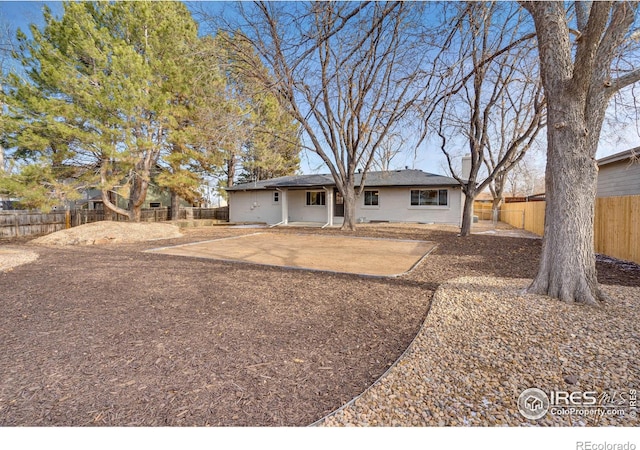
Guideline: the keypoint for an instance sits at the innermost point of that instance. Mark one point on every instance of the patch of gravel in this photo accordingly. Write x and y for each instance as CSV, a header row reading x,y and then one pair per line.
x,y
484,341
107,232
10,258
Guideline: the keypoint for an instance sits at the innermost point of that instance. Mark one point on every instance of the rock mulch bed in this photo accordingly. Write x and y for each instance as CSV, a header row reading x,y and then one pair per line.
x,y
10,258
484,341
107,232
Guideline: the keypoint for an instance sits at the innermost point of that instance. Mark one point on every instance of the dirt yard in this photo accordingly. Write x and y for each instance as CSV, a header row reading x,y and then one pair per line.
x,y
362,256
111,335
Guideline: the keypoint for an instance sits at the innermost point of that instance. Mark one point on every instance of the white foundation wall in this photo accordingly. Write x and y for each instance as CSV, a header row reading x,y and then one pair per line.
x,y
395,206
254,206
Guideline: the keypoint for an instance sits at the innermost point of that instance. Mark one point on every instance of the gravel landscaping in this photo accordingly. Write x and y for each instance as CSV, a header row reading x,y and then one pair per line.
x,y
485,341
14,257
107,232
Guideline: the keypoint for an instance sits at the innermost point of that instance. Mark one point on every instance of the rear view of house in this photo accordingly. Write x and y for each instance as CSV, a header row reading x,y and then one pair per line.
x,y
389,196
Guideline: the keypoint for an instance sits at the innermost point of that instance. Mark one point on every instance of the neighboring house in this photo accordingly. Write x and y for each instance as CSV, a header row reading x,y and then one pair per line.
x,y
619,174
157,197
7,205
389,196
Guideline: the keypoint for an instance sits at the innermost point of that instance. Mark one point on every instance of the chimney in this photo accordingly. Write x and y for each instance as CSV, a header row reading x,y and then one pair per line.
x,y
466,167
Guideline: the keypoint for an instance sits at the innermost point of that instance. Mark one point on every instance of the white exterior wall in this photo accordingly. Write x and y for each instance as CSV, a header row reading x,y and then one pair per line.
x,y
254,206
394,205
299,211
619,178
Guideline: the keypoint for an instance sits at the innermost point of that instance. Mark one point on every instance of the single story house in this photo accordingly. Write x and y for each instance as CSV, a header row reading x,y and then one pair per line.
x,y
388,196
619,174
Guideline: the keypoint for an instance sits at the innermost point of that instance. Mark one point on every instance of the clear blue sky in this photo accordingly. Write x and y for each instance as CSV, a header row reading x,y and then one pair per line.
x,y
19,14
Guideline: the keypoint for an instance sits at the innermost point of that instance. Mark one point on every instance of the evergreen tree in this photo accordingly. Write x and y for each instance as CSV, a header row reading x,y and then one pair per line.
x,y
263,139
120,95
102,92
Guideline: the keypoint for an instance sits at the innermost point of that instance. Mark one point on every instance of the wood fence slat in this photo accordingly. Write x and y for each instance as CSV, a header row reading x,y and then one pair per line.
x,y
30,223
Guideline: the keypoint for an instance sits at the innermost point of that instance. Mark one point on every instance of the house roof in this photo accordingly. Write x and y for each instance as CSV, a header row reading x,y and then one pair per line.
x,y
400,178
627,154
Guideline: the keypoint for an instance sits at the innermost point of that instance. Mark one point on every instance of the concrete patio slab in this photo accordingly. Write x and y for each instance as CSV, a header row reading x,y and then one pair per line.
x,y
363,256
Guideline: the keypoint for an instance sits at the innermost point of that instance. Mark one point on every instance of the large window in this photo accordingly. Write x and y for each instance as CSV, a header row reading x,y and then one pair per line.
x,y
370,198
429,197
316,198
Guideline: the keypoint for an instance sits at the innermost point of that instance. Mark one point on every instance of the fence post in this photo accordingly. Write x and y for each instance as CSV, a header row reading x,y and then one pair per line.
x,y
67,219
17,225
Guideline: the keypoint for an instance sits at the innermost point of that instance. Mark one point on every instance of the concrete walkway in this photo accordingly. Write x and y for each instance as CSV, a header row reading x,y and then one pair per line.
x,y
501,229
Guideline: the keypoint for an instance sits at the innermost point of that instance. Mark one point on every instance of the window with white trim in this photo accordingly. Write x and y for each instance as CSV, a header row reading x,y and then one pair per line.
x,y
429,197
316,198
371,198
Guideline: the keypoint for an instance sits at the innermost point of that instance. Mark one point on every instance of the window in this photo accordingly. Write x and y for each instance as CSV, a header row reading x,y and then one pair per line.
x,y
276,197
429,197
155,205
370,198
317,198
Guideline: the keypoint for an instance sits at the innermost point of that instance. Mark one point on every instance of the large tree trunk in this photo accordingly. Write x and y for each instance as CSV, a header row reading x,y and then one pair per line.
x,y
349,223
467,211
175,206
578,82
567,267
137,196
231,170
495,208
106,194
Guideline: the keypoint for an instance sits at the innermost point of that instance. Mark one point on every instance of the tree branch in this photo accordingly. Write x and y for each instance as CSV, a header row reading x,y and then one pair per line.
x,y
625,80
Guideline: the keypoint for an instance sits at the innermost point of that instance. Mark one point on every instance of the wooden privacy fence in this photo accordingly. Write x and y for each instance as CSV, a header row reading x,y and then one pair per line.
x,y
617,227
483,210
616,224
32,223
527,215
27,223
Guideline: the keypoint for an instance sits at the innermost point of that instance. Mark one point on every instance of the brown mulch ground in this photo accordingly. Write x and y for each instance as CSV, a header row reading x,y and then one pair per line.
x,y
108,335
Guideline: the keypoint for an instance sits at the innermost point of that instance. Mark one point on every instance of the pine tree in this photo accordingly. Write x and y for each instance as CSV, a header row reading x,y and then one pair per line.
x,y
101,95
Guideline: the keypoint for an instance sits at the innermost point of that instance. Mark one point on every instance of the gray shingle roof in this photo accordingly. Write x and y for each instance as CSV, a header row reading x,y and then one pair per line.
x,y
403,178
627,154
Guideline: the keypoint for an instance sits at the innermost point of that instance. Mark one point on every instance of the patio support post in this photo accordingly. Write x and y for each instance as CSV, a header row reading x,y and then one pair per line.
x,y
284,205
329,202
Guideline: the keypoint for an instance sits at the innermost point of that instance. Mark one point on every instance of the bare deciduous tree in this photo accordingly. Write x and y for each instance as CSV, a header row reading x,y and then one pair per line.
x,y
348,73
498,109
389,149
506,148
523,180
583,63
